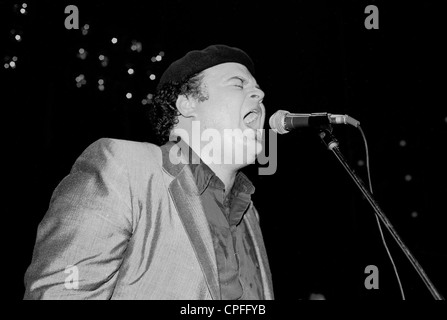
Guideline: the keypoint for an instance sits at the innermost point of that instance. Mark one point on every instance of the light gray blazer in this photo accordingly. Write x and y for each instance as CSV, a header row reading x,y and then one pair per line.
x,y
127,223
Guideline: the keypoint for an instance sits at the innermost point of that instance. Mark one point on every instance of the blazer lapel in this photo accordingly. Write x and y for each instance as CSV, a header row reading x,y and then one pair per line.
x,y
185,196
255,233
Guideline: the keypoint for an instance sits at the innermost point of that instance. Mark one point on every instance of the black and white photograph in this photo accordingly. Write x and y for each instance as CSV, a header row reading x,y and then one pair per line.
x,y
224,150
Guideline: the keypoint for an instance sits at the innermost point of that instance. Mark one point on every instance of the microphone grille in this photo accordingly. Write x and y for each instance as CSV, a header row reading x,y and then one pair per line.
x,y
276,121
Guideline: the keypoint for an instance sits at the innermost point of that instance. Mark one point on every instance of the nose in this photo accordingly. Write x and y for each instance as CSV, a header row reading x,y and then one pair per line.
x,y
257,94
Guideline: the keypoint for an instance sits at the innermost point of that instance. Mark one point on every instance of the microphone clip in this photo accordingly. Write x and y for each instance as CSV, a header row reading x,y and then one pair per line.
x,y
328,138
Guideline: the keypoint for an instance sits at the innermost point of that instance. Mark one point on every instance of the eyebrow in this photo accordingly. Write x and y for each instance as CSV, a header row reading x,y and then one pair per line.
x,y
244,79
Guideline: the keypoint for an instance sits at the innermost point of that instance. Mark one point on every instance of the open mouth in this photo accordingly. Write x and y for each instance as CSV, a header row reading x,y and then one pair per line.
x,y
251,117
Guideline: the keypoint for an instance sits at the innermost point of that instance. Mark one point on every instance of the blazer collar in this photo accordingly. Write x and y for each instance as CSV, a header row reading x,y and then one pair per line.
x,y
186,198
173,159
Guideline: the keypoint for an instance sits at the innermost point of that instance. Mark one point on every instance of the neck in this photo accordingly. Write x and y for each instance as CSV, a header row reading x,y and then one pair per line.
x,y
227,175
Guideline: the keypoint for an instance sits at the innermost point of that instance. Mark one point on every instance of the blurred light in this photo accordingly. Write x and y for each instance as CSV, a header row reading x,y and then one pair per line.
x,y
80,80
162,53
403,143
24,5
12,64
82,54
114,40
85,29
104,60
22,11
100,81
360,163
136,46
128,95
152,77
18,37
408,177
153,59
101,87
6,65
130,71
14,58
148,100
158,58
414,214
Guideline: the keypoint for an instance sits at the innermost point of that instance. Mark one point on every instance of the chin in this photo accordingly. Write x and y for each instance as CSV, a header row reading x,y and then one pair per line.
x,y
244,149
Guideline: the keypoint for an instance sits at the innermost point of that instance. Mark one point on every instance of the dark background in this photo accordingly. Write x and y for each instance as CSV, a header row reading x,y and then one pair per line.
x,y
310,56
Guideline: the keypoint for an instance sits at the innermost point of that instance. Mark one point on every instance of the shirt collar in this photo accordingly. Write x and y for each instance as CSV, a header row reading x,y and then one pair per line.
x,y
204,175
240,195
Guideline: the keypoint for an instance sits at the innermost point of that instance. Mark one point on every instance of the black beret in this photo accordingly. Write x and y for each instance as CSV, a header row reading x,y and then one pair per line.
x,y
198,60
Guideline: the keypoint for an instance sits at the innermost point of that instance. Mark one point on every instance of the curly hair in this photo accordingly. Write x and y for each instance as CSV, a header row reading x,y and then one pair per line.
x,y
163,113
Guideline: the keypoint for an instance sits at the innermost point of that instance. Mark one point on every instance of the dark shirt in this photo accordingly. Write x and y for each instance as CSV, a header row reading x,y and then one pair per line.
x,y
237,264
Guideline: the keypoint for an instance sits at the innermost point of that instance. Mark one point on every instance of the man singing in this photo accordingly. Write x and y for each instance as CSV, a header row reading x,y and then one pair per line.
x,y
135,220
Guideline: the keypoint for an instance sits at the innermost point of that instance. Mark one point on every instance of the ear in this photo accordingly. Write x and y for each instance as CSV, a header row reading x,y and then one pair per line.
x,y
185,106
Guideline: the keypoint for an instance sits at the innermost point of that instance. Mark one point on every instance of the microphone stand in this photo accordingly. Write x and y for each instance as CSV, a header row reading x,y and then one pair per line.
x,y
332,144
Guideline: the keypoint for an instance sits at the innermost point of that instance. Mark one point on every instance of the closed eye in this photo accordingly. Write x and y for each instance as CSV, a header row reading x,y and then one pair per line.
x,y
239,82
240,85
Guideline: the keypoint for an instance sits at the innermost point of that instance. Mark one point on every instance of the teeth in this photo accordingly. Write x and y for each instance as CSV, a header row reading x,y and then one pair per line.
x,y
250,117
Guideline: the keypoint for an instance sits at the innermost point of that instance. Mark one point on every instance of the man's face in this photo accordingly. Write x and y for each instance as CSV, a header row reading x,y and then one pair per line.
x,y
234,106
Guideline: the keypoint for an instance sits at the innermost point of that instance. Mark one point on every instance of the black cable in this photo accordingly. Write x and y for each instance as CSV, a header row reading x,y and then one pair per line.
x,y
377,218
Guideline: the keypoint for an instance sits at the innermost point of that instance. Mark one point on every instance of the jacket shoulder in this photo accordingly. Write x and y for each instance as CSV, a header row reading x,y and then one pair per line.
x,y
129,153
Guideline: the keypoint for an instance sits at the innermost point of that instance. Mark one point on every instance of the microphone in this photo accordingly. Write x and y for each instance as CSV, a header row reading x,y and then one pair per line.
x,y
283,121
